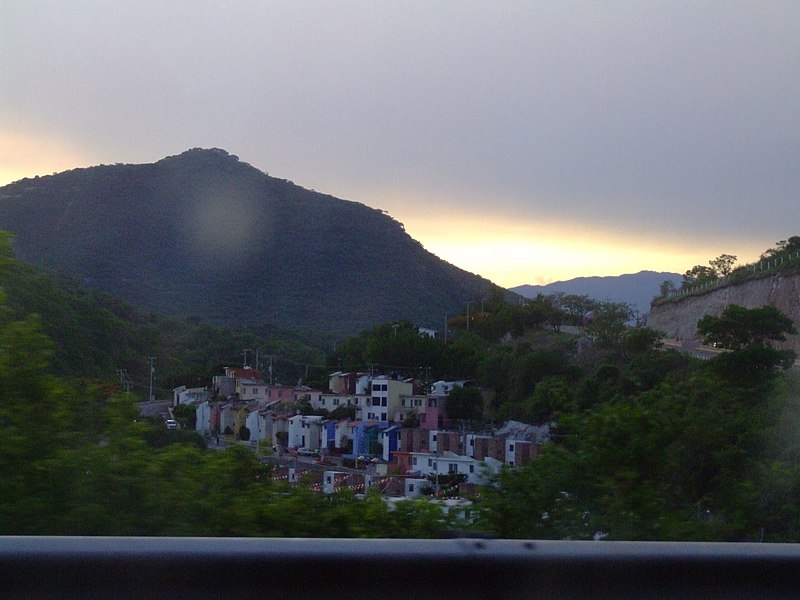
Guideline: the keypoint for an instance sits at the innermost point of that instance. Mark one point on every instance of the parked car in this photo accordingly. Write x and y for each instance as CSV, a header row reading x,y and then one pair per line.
x,y
307,452
172,424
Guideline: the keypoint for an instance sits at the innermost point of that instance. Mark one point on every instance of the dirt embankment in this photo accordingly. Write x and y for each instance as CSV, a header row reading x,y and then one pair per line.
x,y
678,319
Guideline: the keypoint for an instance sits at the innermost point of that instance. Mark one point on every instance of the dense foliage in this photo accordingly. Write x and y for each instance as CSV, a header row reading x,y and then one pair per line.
x,y
95,334
662,447
646,443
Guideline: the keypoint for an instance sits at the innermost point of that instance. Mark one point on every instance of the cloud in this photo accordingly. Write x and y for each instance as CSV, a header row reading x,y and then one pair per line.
x,y
656,120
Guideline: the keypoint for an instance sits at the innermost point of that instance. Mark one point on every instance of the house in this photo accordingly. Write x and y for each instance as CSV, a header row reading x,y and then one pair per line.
x,y
331,401
338,433
450,463
413,404
252,390
385,395
280,394
303,392
184,395
203,418
333,481
305,431
415,486
254,423
348,383
390,442
518,452
225,385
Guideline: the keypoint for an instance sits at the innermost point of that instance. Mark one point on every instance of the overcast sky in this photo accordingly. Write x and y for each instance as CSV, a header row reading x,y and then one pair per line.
x,y
526,141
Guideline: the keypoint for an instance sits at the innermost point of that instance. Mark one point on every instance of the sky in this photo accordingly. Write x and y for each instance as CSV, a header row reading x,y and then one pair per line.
x,y
526,141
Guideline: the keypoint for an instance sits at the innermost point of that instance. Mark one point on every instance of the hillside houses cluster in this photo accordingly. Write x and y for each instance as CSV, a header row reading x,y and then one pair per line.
x,y
397,426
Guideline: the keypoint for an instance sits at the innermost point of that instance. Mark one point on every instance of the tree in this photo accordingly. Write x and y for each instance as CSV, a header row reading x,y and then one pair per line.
x,y
575,306
666,288
723,264
608,323
783,247
465,404
749,334
738,327
698,275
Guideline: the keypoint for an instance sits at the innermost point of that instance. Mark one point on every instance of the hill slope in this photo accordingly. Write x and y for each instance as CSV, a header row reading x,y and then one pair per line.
x,y
637,289
204,234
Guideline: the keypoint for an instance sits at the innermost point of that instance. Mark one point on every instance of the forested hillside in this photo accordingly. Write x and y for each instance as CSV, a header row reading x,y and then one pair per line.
x,y
202,234
94,334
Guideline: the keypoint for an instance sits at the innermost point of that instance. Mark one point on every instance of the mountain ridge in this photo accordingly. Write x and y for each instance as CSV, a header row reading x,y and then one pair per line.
x,y
637,289
203,234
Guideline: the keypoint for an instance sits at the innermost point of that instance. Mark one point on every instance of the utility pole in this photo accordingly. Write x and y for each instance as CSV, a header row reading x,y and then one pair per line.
x,y
245,351
468,303
151,360
445,328
125,380
270,370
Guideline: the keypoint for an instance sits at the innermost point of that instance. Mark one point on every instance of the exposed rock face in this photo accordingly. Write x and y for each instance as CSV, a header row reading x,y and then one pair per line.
x,y
679,318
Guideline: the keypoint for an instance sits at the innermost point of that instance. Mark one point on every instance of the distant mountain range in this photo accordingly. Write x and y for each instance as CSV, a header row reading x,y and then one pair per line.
x,y
204,234
637,289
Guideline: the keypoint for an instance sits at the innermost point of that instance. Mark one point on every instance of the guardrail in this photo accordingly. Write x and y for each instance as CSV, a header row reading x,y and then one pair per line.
x,y
68,567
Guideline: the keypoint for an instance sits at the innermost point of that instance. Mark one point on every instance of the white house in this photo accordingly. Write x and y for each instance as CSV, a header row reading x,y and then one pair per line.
x,y
184,395
450,463
305,431
414,487
332,481
255,423
203,418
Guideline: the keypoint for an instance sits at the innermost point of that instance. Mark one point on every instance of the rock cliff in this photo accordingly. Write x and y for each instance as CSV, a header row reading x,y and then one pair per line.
x,y
679,318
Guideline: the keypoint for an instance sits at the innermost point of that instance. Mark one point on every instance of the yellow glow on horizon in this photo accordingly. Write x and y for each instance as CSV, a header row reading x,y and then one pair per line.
x,y
516,252
27,154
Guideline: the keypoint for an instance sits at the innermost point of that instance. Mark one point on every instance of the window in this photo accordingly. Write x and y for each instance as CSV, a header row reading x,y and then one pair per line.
x,y
452,468
376,401
410,487
472,468
430,462
383,417
511,447
414,460
336,402
384,401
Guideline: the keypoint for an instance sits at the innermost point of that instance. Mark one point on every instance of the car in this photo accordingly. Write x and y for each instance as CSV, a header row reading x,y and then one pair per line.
x,y
307,452
171,424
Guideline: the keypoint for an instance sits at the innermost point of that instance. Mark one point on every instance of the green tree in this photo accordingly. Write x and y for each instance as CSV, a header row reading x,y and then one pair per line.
x,y
608,323
723,264
666,288
465,404
789,246
738,327
698,275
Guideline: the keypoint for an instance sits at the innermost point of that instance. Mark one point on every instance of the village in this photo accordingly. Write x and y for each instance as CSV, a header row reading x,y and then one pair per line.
x,y
365,431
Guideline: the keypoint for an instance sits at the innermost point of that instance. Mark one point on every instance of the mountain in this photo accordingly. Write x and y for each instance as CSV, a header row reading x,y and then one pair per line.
x,y
204,234
637,289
